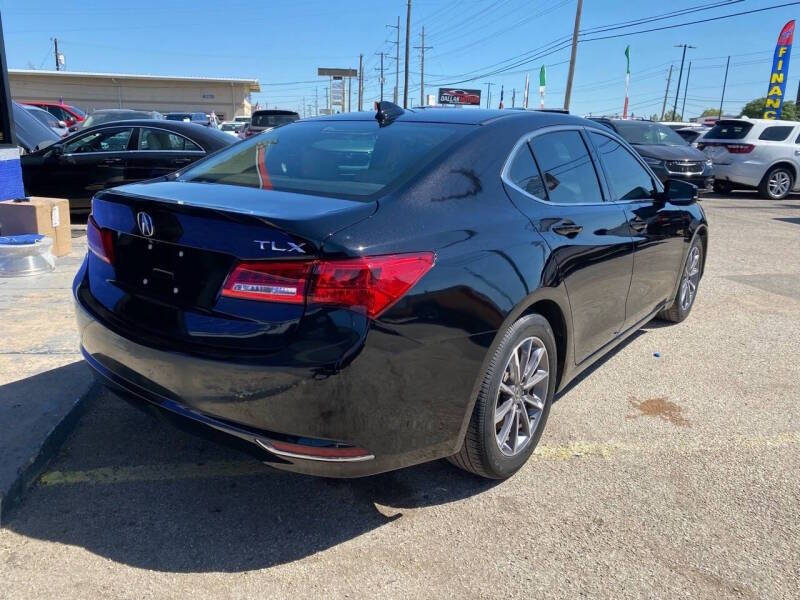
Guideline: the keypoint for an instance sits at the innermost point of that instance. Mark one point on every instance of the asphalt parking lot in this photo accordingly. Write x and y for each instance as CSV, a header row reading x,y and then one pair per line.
x,y
670,471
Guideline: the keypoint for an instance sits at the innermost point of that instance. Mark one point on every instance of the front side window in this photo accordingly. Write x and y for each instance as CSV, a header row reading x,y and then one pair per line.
x,y
569,175
347,159
776,133
524,173
158,139
58,113
628,178
106,140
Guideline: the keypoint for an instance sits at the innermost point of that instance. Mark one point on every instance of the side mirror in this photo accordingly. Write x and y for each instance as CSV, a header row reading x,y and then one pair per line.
x,y
677,192
56,150
62,124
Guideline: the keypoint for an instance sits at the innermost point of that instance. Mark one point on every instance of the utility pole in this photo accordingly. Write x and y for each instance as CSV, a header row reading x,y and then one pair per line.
x,y
488,93
316,101
724,84
349,94
513,97
574,54
55,46
381,79
666,93
360,82
328,98
422,49
408,41
686,89
680,76
396,61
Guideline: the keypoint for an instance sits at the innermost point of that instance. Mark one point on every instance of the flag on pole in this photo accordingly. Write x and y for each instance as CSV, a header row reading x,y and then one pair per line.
x,y
501,97
542,85
525,92
627,80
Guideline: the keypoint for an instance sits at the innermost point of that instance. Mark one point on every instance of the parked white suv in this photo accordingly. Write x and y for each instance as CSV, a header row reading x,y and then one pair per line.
x,y
754,153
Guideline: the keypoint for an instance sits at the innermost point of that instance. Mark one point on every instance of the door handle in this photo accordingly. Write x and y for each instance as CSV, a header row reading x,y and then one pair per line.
x,y
110,161
567,228
637,225
181,161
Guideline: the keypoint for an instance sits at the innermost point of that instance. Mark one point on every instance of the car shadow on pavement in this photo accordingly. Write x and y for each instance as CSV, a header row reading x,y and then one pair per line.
x,y
138,492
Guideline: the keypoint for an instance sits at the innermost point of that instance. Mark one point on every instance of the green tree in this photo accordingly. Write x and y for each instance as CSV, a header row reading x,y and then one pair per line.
x,y
755,110
672,115
654,117
710,112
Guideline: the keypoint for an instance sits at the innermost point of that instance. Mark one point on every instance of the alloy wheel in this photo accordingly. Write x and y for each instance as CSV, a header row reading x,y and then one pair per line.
x,y
691,276
522,395
778,184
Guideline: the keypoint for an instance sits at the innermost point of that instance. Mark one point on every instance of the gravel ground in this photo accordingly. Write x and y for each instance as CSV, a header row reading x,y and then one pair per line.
x,y
669,476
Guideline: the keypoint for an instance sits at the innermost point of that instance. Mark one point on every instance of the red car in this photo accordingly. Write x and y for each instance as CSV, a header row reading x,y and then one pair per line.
x,y
71,115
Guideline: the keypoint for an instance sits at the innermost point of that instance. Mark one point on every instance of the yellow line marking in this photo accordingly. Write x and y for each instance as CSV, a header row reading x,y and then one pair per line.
x,y
163,472
210,470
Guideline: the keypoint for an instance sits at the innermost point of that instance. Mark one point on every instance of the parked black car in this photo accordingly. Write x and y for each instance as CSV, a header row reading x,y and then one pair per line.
x,y
667,153
262,120
114,154
353,294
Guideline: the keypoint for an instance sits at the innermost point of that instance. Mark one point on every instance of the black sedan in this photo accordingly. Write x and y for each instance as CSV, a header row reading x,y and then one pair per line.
x,y
357,293
668,154
113,154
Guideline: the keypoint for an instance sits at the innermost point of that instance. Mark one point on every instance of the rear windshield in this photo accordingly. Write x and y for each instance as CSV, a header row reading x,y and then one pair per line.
x,y
179,117
729,130
272,120
345,159
103,117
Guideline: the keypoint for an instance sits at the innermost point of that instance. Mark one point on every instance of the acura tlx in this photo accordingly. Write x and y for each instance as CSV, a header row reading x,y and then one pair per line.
x,y
357,293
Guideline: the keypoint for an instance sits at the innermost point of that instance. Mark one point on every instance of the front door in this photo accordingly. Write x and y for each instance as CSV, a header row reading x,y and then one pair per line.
x,y
659,229
554,182
93,162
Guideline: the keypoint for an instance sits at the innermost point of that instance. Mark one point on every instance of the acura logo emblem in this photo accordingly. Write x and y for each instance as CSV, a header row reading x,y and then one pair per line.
x,y
145,223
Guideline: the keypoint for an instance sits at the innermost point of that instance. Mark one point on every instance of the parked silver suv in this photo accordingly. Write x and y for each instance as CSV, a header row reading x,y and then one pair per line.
x,y
754,153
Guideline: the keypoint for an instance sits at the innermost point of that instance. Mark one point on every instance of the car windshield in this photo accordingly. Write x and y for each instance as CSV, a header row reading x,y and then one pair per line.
x,y
44,116
106,117
345,159
729,130
647,133
267,120
30,132
77,111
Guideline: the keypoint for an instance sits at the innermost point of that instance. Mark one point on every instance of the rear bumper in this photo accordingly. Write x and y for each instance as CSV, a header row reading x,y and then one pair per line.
x,y
401,401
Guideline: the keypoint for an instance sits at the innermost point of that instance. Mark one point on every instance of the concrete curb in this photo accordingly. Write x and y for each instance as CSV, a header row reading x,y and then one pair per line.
x,y
37,414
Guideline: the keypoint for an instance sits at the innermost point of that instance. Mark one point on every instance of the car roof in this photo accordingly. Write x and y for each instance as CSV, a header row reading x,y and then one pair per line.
x,y
190,130
273,111
463,116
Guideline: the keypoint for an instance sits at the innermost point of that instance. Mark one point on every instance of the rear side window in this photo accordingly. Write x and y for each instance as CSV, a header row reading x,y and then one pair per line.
x,y
524,173
159,139
776,133
345,159
729,130
569,175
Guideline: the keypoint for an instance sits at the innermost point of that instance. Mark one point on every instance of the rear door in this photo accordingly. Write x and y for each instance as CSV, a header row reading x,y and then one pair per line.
x,y
553,180
160,152
658,229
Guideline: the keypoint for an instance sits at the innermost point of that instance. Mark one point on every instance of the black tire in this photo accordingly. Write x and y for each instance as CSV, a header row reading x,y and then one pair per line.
x,y
764,187
678,311
480,453
722,187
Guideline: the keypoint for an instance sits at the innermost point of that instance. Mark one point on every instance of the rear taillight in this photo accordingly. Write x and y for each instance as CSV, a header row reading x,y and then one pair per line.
x,y
370,284
269,281
100,241
740,148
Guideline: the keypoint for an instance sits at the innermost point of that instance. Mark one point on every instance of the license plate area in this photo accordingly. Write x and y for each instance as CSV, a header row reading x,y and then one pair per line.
x,y
175,274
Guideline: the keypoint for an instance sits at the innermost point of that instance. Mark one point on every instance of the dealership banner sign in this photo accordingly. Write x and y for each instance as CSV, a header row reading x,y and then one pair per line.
x,y
779,73
456,96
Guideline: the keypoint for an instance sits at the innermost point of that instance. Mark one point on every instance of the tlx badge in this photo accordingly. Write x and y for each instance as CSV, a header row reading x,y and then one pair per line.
x,y
270,245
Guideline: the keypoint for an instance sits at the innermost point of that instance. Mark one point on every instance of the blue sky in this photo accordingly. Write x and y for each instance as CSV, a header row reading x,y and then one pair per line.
x,y
284,41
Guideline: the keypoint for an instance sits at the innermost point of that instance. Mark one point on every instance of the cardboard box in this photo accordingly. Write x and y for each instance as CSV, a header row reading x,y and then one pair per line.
x,y
48,216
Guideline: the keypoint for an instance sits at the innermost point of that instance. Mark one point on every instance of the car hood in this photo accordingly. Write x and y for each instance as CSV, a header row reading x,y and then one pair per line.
x,y
669,152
